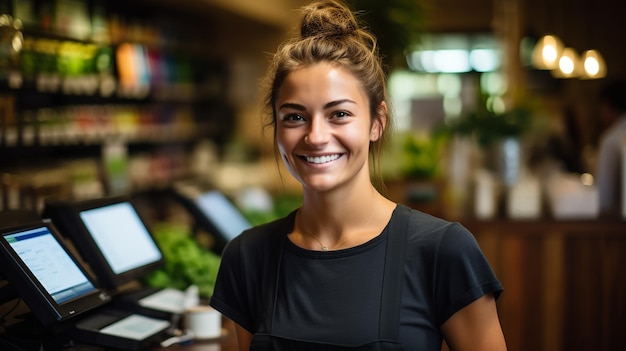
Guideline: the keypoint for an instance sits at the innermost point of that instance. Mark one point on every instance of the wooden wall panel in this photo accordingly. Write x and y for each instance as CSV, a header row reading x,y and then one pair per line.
x,y
564,282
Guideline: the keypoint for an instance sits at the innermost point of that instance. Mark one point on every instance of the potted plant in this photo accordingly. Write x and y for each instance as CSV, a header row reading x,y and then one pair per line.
x,y
498,135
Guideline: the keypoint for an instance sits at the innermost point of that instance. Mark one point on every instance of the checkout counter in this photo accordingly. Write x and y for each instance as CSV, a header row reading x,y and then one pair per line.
x,y
564,281
226,342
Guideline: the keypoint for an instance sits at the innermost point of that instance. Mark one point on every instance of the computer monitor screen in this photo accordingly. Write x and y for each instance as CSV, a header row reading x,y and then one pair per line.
x,y
121,236
212,212
225,217
111,236
45,274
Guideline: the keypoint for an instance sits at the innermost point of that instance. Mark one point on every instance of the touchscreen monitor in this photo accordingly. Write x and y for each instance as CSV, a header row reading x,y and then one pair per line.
x,y
213,211
223,214
111,236
44,272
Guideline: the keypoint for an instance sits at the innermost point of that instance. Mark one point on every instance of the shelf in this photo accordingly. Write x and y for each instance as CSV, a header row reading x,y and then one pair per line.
x,y
146,83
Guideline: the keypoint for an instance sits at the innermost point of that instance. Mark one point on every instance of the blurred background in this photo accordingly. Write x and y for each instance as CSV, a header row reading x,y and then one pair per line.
x,y
136,97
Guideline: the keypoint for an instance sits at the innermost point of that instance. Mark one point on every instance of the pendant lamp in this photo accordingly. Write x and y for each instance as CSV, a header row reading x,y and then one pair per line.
x,y
593,65
568,65
547,52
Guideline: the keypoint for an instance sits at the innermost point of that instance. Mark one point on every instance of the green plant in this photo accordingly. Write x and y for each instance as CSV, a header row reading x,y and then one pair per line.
x,y
488,126
422,155
186,262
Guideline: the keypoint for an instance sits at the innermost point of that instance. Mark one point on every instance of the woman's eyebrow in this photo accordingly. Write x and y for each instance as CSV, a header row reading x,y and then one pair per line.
x,y
338,102
292,106
328,105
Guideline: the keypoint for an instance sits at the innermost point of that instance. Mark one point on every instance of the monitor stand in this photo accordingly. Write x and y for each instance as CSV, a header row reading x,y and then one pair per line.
x,y
29,334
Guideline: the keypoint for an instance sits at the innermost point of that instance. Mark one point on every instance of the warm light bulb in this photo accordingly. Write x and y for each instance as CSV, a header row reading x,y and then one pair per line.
x,y
593,65
568,65
547,52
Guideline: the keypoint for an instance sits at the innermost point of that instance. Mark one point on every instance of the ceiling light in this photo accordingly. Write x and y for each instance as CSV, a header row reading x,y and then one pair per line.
x,y
568,64
440,61
593,65
547,52
485,60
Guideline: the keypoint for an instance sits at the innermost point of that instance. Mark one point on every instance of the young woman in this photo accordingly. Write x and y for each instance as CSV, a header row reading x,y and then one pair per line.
x,y
349,269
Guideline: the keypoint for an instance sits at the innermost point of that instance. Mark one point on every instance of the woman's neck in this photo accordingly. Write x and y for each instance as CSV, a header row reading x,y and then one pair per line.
x,y
342,220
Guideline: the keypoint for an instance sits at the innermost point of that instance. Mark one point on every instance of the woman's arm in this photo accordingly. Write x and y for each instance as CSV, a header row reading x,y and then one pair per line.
x,y
475,327
244,338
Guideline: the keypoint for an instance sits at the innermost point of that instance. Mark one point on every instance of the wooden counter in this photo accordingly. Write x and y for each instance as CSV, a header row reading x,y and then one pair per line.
x,y
227,342
564,282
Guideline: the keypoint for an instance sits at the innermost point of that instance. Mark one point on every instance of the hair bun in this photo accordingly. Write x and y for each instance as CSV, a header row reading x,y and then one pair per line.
x,y
327,19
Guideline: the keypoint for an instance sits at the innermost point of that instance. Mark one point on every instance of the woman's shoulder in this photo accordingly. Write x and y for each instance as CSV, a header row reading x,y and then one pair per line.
x,y
440,241
263,237
426,229
424,223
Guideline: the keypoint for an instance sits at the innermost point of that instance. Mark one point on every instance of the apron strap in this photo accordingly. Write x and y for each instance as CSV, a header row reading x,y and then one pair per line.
x,y
393,278
275,258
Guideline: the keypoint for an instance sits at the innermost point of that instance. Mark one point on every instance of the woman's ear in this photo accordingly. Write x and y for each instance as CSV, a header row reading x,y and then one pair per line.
x,y
379,122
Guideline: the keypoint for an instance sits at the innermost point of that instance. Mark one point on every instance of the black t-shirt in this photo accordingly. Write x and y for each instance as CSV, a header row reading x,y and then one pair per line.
x,y
345,284
334,296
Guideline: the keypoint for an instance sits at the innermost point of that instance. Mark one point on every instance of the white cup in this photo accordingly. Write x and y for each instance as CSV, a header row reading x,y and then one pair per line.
x,y
203,321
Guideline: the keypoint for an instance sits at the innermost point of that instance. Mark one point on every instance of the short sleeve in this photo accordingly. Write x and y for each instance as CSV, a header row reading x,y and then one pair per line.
x,y
248,271
462,273
229,295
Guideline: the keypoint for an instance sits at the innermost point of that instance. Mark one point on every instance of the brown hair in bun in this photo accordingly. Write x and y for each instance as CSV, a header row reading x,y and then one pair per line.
x,y
330,32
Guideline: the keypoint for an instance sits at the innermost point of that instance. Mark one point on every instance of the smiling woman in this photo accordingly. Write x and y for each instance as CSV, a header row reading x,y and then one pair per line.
x,y
349,268
323,129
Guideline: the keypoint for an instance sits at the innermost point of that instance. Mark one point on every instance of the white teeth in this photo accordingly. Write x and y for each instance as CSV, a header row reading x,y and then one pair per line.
x,y
322,159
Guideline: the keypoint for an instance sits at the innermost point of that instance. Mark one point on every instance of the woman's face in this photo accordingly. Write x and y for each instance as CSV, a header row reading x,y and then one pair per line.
x,y
323,126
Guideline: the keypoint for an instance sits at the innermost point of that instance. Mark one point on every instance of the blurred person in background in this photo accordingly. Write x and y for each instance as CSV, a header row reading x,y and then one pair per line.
x,y
609,163
349,269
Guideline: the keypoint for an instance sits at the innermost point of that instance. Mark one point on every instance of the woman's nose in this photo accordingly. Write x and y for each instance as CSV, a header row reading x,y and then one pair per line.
x,y
318,133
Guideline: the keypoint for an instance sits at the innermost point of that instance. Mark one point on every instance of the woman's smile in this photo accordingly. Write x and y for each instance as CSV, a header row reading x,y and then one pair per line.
x,y
323,159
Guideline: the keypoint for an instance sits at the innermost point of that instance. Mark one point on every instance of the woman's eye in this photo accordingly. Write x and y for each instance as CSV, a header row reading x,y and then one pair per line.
x,y
341,114
293,117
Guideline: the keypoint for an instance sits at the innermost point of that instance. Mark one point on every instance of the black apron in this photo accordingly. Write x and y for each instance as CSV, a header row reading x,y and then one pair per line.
x,y
389,323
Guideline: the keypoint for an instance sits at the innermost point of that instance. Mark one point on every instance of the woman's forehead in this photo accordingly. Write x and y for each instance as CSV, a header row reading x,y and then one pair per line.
x,y
318,80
